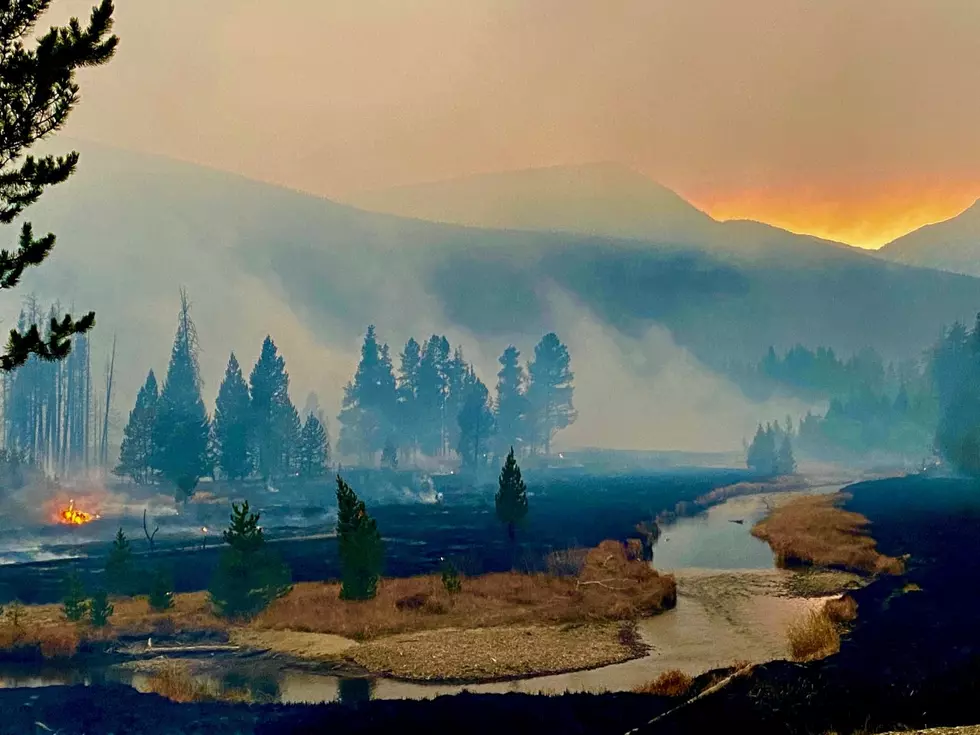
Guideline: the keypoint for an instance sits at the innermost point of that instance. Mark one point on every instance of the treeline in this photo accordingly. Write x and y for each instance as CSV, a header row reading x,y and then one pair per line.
x,y
820,373
771,452
956,375
436,405
56,416
256,431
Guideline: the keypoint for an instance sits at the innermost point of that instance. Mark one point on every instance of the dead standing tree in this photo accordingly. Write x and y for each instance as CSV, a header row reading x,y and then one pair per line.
x,y
149,536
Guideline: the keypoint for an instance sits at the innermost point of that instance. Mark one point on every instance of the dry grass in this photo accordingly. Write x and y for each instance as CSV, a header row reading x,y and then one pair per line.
x,y
815,531
814,636
302,645
175,681
842,610
610,587
673,683
493,653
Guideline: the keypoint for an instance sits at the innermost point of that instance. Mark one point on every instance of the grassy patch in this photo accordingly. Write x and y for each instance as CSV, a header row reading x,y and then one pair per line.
x,y
814,636
816,531
823,582
175,681
610,587
673,683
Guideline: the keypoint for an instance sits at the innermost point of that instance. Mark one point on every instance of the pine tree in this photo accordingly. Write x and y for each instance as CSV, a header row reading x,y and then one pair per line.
x,y
408,408
100,609
458,382
476,424
512,406
314,449
785,461
39,93
182,429
431,392
550,390
275,421
232,415
249,576
136,451
74,605
119,565
511,497
368,414
762,454
161,595
361,548
389,455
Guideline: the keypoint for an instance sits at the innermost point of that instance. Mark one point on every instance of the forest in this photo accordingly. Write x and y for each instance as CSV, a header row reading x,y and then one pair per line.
x,y
435,407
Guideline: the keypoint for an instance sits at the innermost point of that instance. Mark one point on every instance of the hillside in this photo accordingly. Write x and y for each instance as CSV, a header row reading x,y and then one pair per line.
x,y
645,317
953,245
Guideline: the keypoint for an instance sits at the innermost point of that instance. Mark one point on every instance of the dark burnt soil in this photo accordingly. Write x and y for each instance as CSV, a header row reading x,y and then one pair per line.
x,y
119,709
912,659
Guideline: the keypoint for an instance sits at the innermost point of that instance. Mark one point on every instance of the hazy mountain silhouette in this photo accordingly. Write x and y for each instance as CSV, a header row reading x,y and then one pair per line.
x,y
953,245
259,259
598,199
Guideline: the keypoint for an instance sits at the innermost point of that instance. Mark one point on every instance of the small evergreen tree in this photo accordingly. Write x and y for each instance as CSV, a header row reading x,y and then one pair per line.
x,y
389,455
511,497
119,566
249,576
361,548
100,609
232,411
450,579
74,605
785,461
314,449
161,590
136,450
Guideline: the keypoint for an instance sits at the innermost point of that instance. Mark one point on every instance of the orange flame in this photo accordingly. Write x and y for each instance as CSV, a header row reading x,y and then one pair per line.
x,y
73,517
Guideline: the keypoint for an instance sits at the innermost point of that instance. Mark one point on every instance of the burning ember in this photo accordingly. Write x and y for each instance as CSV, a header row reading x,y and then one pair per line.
x,y
73,517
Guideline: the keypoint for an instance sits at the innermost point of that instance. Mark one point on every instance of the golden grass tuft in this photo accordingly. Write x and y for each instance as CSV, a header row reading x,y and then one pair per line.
x,y
673,683
813,637
176,682
814,530
842,610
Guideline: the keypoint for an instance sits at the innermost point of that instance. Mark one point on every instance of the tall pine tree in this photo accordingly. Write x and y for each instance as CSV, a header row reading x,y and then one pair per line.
x,y
408,408
431,393
476,423
512,407
182,429
314,449
368,414
232,418
275,421
136,451
550,391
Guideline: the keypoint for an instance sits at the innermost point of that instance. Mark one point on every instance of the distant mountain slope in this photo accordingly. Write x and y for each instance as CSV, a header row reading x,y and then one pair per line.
x,y
259,259
953,245
599,199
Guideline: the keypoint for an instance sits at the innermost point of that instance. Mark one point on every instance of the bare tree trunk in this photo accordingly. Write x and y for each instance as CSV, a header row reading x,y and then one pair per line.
x,y
104,454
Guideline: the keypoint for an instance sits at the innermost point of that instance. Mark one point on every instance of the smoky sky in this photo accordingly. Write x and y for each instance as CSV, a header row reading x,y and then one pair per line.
x,y
852,119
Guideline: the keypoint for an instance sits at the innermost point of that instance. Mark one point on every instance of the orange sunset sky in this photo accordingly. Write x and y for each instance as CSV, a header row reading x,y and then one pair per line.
x,y
856,120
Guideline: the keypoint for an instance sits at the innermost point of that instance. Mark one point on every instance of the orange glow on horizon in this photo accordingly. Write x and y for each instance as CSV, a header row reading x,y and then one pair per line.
x,y
864,220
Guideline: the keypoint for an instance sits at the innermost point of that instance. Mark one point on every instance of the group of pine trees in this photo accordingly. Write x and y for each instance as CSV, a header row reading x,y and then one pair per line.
x,y
771,452
437,406
256,430
955,370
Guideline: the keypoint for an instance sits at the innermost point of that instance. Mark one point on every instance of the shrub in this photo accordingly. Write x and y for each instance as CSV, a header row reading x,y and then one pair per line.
x,y
450,578
566,562
814,636
119,566
673,683
161,590
15,614
74,604
100,609
842,610
58,641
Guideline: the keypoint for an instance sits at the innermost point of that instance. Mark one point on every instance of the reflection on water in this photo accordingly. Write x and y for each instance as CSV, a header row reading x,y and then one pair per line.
x,y
720,538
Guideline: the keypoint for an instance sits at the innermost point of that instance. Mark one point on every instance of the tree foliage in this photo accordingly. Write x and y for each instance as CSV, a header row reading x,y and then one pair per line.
x,y
136,450
275,421
161,595
511,497
512,405
360,545
100,609
73,604
476,424
314,449
182,429
38,92
232,414
119,566
249,576
550,391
